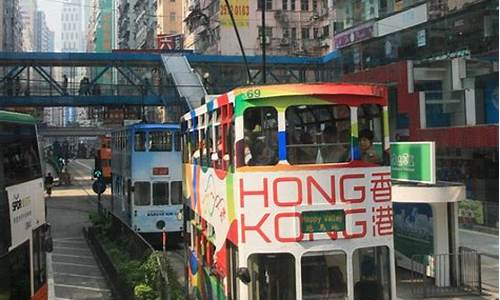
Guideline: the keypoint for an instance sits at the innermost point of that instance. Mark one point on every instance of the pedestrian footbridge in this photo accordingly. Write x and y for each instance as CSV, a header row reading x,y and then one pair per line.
x,y
118,78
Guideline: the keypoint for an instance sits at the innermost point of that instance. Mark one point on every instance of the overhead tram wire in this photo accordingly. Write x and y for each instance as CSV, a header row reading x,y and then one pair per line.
x,y
250,81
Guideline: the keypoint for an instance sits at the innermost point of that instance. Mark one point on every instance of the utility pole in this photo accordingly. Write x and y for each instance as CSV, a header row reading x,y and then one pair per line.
x,y
263,40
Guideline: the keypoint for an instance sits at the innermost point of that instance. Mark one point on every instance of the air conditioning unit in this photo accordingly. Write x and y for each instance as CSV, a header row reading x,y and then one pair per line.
x,y
268,40
284,41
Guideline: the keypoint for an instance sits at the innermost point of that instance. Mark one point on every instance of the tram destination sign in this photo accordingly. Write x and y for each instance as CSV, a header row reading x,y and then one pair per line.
x,y
323,221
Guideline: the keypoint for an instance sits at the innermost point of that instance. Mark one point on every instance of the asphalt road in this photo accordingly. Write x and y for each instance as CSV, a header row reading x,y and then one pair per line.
x,y
68,211
73,272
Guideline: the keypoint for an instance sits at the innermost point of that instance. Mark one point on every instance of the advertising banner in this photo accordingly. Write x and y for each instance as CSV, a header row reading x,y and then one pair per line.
x,y
413,161
26,206
241,12
413,233
402,20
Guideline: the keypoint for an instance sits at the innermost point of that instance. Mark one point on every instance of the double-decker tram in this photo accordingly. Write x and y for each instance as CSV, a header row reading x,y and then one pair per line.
x,y
289,194
147,179
24,233
102,160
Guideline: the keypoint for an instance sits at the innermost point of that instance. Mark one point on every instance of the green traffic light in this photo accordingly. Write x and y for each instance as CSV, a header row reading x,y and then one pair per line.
x,y
97,173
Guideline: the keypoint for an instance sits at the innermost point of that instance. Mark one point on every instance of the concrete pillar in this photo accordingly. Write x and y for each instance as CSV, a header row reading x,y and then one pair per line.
x,y
470,101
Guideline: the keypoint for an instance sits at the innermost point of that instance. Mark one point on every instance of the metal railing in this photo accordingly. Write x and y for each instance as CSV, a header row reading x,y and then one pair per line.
x,y
445,275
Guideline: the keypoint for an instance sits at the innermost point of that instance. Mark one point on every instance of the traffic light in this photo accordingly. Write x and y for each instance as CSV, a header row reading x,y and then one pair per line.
x,y
98,173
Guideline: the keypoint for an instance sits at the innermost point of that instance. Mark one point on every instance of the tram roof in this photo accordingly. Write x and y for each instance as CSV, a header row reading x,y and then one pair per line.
x,y
152,126
247,93
14,117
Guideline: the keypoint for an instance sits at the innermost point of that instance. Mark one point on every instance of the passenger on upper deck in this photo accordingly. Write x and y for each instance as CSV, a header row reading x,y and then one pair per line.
x,y
336,149
368,154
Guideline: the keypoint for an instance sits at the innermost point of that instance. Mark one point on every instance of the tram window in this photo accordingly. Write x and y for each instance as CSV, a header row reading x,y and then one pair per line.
x,y
177,142
324,275
371,272
186,142
142,193
140,141
160,193
272,276
261,136
19,146
371,133
195,155
160,141
318,134
176,190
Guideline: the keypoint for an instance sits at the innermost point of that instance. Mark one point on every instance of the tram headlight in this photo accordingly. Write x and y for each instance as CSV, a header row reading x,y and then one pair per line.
x,y
160,224
180,215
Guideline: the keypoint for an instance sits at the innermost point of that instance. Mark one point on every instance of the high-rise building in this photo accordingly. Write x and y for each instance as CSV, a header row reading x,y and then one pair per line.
x,y
439,60
72,36
43,34
296,28
28,9
137,23
72,40
10,26
169,16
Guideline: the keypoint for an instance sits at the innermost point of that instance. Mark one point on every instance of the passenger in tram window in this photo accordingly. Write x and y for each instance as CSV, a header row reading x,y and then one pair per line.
x,y
368,154
337,285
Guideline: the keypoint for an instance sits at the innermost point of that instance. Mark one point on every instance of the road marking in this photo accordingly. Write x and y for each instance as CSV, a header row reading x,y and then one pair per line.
x,y
82,164
76,265
71,242
77,275
83,288
70,248
69,238
473,232
75,256
50,277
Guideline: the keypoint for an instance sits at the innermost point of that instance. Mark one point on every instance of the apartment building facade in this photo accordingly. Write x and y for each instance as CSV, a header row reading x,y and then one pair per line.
x,y
292,27
136,24
440,60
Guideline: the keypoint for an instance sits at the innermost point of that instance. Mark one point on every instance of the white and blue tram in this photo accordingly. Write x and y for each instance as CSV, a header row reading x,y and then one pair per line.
x,y
147,179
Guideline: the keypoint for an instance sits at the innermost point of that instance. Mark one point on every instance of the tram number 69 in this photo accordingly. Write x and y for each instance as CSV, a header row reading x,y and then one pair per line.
x,y
253,94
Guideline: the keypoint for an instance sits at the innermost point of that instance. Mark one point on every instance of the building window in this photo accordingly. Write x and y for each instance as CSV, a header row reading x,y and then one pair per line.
x,y
315,5
315,33
172,0
304,5
294,33
285,4
326,31
292,5
172,16
269,32
286,33
305,33
269,5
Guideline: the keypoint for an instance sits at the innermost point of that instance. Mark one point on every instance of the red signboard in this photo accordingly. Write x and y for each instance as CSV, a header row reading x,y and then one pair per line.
x,y
159,171
170,42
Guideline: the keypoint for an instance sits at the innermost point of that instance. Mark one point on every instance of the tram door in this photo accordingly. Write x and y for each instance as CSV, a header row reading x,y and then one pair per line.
x,y
233,268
